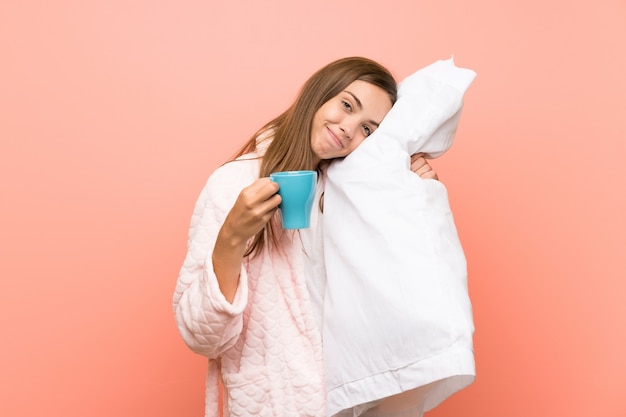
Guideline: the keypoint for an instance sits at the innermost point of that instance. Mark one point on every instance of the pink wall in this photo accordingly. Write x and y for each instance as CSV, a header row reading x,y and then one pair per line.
x,y
113,113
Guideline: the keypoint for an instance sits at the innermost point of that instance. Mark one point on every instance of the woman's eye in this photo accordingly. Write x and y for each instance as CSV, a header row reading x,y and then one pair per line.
x,y
346,105
367,130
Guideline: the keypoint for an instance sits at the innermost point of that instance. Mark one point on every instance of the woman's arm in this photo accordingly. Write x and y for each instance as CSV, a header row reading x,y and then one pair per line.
x,y
254,207
210,298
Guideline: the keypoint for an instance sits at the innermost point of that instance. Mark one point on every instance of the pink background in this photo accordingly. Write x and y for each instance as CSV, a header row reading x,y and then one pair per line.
x,y
113,113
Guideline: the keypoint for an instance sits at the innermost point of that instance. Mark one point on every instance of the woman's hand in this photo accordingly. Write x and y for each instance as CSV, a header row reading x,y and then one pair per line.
x,y
421,167
254,207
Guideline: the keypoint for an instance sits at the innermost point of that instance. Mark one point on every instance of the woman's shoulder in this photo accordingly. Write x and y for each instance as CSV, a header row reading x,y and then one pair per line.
x,y
243,170
225,183
238,173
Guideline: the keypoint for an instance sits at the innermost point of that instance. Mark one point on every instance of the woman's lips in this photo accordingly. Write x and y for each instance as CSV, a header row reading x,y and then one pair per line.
x,y
335,138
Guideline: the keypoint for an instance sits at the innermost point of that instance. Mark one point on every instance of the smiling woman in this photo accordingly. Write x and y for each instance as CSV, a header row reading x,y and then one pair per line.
x,y
250,293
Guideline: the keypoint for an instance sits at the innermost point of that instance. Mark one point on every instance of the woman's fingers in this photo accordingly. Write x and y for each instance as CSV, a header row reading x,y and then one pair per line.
x,y
421,167
261,194
254,207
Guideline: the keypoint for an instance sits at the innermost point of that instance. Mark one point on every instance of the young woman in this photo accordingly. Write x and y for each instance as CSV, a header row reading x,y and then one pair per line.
x,y
249,296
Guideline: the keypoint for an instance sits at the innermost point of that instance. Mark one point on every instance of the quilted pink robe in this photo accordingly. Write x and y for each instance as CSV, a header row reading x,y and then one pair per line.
x,y
266,343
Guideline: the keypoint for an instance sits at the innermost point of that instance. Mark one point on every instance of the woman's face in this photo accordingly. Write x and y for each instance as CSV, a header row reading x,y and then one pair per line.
x,y
344,121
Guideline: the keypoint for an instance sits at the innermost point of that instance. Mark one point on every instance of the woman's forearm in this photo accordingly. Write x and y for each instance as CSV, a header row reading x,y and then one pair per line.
x,y
227,259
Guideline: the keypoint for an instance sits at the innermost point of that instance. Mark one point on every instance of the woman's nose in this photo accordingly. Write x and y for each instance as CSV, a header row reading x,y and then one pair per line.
x,y
348,127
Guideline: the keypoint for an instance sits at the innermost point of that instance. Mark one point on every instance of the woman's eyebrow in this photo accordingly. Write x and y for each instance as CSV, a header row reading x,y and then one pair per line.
x,y
360,106
356,99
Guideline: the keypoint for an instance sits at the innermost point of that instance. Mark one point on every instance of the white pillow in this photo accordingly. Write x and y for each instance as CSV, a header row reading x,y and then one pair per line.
x,y
397,311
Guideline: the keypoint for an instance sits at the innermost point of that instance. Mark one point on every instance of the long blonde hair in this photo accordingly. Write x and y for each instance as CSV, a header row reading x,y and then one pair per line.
x,y
290,147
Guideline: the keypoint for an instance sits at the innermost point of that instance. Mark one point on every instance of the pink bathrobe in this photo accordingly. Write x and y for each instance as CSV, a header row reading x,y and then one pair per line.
x,y
266,343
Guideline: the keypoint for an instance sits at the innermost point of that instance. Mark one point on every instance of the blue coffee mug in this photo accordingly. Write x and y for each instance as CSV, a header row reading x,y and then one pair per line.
x,y
297,190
